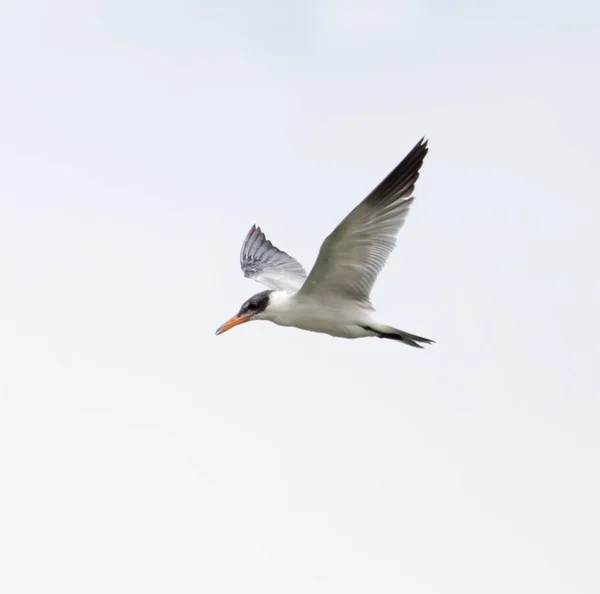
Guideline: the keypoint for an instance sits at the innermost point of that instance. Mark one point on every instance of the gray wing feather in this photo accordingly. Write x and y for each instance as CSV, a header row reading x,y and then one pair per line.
x,y
353,255
263,262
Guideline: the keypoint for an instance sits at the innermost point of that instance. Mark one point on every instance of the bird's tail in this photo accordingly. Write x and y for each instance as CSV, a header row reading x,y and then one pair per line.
x,y
382,331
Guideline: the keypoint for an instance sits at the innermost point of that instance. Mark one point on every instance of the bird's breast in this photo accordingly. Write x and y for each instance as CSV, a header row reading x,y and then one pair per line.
x,y
335,318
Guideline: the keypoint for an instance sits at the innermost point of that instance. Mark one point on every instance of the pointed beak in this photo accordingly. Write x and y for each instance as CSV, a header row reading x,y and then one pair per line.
x,y
231,322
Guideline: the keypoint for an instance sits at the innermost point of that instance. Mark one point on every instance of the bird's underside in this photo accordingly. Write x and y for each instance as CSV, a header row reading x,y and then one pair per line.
x,y
334,298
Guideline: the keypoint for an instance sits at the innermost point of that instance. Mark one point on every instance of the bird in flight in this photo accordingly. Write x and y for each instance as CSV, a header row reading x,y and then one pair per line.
x,y
334,298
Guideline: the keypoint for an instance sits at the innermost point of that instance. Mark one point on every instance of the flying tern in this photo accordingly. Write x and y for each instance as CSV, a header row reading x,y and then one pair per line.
x,y
334,298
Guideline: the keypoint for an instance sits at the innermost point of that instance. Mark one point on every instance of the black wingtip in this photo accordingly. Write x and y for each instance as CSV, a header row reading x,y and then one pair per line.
x,y
420,148
400,182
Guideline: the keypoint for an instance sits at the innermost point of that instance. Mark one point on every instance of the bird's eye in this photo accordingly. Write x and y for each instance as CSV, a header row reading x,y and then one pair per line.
x,y
252,307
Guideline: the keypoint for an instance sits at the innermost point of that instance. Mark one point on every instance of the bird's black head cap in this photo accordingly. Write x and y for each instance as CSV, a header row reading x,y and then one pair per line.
x,y
256,304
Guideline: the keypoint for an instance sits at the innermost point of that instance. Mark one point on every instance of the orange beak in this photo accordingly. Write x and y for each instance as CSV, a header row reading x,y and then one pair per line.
x,y
231,322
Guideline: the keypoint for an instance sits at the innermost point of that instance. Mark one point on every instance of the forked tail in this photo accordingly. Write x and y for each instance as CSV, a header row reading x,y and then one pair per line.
x,y
392,333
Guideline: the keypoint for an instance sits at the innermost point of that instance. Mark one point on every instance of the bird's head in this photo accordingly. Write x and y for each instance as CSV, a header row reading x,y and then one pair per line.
x,y
252,309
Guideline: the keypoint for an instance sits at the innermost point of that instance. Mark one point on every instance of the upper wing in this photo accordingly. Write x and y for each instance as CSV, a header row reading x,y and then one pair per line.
x,y
263,262
353,255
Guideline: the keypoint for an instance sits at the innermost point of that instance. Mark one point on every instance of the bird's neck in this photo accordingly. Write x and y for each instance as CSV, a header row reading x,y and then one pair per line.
x,y
279,308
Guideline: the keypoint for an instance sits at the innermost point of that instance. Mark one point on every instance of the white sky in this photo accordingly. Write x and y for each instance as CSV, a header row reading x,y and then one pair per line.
x,y
139,141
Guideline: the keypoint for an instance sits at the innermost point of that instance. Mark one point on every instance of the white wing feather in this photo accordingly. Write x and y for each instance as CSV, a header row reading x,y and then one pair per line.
x,y
352,257
263,262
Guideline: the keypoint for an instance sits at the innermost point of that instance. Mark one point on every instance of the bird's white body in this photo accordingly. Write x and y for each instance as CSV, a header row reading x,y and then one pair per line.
x,y
334,316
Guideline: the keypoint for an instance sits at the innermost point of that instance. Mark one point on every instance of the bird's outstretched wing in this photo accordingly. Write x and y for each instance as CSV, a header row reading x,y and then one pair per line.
x,y
266,264
353,255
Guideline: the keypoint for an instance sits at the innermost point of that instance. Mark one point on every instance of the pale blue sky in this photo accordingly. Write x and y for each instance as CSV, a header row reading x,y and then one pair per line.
x,y
138,452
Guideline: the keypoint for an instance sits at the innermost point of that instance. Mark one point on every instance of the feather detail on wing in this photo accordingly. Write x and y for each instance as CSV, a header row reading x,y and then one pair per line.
x,y
263,262
353,255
